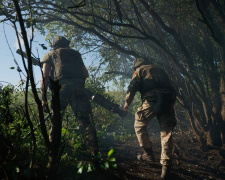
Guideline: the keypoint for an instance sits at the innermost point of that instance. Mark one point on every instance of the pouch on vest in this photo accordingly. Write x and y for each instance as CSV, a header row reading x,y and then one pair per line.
x,y
164,99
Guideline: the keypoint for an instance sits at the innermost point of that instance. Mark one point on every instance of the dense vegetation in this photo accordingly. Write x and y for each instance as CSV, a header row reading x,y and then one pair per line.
x,y
17,143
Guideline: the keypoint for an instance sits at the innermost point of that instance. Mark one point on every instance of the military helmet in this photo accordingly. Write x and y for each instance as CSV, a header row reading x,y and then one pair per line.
x,y
60,42
139,62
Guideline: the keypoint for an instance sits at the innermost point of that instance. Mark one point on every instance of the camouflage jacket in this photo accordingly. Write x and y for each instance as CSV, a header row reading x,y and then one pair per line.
x,y
147,79
65,64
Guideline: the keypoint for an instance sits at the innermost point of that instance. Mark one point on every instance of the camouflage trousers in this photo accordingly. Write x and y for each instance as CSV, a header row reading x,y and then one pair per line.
x,y
75,97
166,121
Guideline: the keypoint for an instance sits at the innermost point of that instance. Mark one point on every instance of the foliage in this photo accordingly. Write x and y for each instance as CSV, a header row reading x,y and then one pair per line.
x,y
15,144
15,139
110,162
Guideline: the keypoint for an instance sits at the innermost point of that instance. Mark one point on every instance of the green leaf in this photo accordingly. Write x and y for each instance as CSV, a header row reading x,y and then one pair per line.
x,y
3,107
106,165
113,165
12,67
17,169
79,164
89,169
111,152
80,170
112,159
63,131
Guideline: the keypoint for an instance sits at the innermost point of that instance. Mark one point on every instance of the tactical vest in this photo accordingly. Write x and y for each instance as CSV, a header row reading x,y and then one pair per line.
x,y
67,64
152,78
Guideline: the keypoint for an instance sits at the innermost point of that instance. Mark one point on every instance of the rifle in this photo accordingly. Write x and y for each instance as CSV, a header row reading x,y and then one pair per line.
x,y
95,97
35,62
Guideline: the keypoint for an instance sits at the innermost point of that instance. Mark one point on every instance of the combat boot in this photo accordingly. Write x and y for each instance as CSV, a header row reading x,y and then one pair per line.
x,y
165,172
147,155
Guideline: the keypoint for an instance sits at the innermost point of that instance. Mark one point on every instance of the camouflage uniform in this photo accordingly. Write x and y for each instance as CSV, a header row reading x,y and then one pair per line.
x,y
149,80
66,66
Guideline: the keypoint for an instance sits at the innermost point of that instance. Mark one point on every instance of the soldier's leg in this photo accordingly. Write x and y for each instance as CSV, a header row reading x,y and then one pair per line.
x,y
63,104
167,122
88,132
143,116
82,110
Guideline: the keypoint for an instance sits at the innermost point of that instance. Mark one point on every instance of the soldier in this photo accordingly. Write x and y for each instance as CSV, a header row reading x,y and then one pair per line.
x,y
158,97
66,65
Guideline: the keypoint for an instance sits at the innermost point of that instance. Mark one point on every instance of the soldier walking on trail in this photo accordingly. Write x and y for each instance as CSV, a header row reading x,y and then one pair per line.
x,y
158,97
65,65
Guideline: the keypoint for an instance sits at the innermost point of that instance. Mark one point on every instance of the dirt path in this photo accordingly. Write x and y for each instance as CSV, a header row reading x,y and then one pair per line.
x,y
190,161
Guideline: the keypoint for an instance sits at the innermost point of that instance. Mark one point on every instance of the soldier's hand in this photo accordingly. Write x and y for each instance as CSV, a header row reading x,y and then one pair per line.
x,y
125,107
45,106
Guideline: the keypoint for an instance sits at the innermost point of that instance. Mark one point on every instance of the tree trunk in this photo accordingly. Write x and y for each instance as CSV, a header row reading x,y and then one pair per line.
x,y
213,136
55,134
222,93
199,135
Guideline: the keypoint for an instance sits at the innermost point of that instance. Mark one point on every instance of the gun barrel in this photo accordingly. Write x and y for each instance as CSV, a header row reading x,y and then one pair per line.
x,y
106,103
34,61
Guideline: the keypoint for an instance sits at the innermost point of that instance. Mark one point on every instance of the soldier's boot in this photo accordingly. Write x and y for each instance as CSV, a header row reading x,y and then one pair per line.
x,y
92,149
91,140
147,155
166,171
88,132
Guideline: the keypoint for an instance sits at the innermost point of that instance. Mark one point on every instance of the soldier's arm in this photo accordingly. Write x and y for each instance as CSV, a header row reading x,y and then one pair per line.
x,y
133,87
85,72
46,67
84,69
45,80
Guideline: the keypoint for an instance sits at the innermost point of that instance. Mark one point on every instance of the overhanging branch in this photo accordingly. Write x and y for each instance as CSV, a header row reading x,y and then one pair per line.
x,y
128,75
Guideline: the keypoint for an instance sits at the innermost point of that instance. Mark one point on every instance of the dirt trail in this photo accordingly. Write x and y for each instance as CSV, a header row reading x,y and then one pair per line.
x,y
190,161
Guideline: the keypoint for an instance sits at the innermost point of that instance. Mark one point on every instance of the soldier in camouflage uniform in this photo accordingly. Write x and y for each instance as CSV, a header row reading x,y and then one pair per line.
x,y
158,99
66,65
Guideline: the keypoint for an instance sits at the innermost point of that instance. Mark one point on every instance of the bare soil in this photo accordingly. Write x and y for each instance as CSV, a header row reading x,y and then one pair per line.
x,y
191,161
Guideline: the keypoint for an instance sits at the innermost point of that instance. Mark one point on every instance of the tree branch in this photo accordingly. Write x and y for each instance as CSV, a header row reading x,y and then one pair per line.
x,y
30,73
128,75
